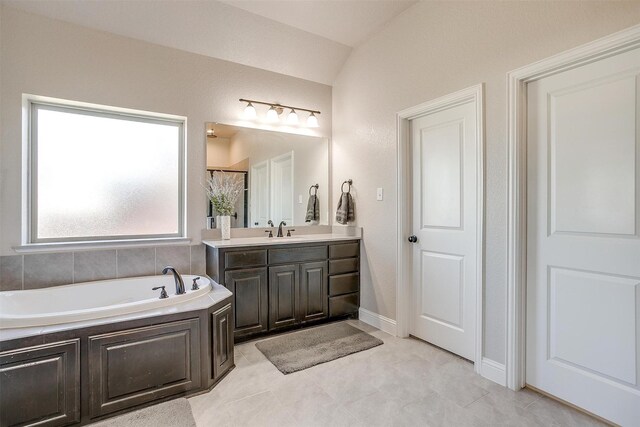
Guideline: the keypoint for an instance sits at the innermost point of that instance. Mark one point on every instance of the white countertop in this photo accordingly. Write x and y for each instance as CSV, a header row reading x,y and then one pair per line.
x,y
238,242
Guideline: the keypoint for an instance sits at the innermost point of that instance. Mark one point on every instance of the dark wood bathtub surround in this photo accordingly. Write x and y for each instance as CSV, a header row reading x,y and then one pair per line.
x,y
41,270
78,376
279,287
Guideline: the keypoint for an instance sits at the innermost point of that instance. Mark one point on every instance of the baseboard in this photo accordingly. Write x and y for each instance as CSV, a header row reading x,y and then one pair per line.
x,y
494,371
378,321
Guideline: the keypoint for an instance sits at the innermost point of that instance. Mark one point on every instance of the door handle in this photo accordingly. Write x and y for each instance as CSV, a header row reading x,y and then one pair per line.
x,y
413,239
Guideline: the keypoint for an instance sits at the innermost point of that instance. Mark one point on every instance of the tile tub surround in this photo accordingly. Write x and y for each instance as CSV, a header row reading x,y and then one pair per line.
x,y
35,271
405,382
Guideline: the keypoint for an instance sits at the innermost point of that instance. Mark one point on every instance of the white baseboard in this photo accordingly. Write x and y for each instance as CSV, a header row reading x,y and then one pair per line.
x,y
377,321
494,371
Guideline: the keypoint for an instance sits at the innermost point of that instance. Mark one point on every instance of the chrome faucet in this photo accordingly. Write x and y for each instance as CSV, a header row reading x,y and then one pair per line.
x,y
280,229
179,283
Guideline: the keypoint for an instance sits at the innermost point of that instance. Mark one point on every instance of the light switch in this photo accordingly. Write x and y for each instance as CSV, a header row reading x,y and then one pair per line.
x,y
379,194
300,198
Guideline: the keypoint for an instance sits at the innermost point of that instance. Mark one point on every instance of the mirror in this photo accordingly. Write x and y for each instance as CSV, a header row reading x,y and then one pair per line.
x,y
280,172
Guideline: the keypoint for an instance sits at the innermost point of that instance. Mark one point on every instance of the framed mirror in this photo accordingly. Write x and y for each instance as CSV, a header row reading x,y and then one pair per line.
x,y
285,176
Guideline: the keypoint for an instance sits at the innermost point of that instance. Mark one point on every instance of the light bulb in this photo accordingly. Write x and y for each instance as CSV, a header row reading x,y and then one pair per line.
x,y
312,121
272,114
292,118
250,111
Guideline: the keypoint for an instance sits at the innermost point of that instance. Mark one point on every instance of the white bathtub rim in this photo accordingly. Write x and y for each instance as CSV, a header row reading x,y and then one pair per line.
x,y
23,321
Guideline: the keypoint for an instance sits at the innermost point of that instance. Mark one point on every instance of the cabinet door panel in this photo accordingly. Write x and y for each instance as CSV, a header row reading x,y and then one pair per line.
x,y
345,250
344,305
283,296
344,284
222,340
313,291
131,367
341,266
297,254
41,385
250,300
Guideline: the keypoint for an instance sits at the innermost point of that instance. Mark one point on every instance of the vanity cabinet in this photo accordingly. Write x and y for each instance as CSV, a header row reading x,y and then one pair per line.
x,y
284,284
344,279
131,367
40,385
222,342
313,291
279,287
250,299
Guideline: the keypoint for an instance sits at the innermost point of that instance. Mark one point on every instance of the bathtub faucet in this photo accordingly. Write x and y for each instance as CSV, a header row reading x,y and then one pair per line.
x,y
179,283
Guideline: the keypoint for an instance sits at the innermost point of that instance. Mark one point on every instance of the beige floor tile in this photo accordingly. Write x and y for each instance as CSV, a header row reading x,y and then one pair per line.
x,y
404,382
553,411
261,409
380,409
498,411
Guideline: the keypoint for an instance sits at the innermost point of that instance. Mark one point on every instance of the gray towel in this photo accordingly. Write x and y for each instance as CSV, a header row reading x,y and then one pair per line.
x,y
313,209
345,212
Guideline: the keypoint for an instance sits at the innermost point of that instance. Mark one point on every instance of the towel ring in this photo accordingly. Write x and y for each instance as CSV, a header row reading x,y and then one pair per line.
x,y
316,186
349,181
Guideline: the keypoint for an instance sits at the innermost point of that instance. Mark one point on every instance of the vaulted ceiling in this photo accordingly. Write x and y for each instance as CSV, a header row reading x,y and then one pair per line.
x,y
309,39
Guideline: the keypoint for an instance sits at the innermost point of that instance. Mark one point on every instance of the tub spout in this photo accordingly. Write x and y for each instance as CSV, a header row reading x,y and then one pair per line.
x,y
179,283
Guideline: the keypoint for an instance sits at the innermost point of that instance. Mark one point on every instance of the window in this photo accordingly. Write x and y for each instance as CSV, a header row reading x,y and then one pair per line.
x,y
101,174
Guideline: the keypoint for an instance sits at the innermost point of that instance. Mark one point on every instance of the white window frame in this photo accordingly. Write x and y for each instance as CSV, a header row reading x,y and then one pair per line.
x,y
32,103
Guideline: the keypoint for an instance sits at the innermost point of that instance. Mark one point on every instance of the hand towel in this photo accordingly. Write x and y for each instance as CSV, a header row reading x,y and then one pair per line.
x,y
345,212
313,209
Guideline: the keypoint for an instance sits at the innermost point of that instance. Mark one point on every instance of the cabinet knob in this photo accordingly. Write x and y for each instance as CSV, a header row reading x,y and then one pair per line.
x,y
413,239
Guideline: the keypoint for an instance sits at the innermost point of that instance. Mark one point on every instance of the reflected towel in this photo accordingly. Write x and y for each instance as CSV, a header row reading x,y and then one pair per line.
x,y
345,212
313,209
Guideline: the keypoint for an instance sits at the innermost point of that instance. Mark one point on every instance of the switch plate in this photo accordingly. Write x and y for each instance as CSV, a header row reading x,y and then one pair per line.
x,y
300,198
379,194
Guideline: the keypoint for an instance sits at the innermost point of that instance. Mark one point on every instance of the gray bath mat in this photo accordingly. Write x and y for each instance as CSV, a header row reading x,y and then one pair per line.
x,y
174,413
304,349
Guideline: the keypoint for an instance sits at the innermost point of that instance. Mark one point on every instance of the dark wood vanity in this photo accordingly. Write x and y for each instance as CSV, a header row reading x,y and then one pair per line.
x,y
79,376
278,287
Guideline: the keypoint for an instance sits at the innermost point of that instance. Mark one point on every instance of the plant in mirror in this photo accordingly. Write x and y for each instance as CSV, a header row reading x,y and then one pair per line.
x,y
285,177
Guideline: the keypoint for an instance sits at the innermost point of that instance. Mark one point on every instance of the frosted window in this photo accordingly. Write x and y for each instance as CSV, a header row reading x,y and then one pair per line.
x,y
100,175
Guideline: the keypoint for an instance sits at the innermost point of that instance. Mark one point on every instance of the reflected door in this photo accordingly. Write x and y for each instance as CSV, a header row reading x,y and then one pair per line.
x,y
444,148
282,188
583,241
260,198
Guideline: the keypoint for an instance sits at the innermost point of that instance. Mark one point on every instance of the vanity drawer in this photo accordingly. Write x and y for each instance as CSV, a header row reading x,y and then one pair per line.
x,y
345,250
289,255
340,266
344,284
343,305
245,259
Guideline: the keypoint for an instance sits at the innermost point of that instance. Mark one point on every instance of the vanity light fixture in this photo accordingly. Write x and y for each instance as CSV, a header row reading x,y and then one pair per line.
x,y
273,113
250,111
312,121
275,110
292,118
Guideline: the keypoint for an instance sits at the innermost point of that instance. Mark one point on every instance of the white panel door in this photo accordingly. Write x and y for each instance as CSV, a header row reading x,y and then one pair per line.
x,y
444,150
583,241
260,194
282,188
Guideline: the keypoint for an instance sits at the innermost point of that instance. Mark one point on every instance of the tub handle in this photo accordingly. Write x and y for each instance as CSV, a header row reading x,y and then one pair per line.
x,y
163,293
195,286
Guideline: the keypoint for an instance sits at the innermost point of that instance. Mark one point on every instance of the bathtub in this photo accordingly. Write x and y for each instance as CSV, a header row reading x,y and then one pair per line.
x,y
92,300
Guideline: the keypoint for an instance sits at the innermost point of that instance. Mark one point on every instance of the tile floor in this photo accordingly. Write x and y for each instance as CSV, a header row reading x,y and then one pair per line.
x,y
404,382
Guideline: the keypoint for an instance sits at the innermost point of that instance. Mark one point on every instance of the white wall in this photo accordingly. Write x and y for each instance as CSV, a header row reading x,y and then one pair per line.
x,y
51,58
432,49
